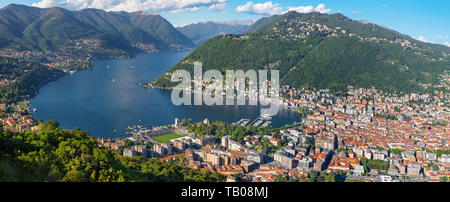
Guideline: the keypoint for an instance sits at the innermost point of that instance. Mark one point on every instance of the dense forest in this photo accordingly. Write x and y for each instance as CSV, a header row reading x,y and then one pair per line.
x,y
46,29
227,52
364,64
53,154
325,51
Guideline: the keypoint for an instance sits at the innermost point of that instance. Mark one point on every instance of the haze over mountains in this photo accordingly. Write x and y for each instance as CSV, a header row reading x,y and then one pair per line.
x,y
48,29
326,51
203,31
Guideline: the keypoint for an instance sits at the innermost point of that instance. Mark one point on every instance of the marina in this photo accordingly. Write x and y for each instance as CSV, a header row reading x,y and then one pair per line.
x,y
260,121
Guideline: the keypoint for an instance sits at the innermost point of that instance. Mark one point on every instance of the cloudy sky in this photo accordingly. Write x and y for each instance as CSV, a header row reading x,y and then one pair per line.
x,y
426,20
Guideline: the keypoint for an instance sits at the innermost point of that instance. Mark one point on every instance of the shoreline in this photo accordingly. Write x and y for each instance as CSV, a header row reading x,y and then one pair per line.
x,y
280,105
105,133
67,70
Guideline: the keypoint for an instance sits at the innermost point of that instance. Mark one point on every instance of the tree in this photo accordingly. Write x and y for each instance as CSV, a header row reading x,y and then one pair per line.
x,y
313,176
50,125
184,122
329,177
52,154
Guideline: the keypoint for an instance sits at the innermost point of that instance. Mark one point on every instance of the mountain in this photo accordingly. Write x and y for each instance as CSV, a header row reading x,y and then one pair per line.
x,y
325,51
203,31
261,23
159,27
89,31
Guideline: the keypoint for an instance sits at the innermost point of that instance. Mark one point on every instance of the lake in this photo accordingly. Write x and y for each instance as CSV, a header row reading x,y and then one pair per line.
x,y
107,99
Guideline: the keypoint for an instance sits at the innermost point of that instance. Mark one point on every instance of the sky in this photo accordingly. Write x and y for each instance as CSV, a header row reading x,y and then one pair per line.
x,y
426,20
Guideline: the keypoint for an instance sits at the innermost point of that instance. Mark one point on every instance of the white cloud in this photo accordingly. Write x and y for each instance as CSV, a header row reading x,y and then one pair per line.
x,y
218,7
47,3
442,37
423,39
356,12
182,10
173,6
321,9
266,8
447,44
269,8
309,9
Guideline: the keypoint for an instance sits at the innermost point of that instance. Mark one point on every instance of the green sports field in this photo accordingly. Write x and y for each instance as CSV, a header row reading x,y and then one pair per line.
x,y
167,138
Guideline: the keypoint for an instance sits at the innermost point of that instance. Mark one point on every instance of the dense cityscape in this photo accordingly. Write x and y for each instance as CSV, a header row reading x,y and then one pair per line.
x,y
365,135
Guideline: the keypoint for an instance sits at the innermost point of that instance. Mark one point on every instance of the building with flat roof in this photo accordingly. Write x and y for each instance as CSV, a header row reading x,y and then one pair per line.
x,y
413,170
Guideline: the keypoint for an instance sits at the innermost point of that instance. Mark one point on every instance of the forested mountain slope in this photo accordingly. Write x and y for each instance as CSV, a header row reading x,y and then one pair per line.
x,y
326,51
91,30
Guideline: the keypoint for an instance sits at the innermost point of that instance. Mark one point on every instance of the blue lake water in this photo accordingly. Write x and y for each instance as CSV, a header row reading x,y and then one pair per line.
x,y
104,101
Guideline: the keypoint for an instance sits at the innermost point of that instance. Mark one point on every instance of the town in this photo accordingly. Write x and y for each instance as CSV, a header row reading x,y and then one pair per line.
x,y
362,135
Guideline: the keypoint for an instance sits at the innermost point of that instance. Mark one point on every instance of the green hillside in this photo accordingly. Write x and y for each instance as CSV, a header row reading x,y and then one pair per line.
x,y
336,63
159,27
261,23
93,31
325,51
23,79
52,154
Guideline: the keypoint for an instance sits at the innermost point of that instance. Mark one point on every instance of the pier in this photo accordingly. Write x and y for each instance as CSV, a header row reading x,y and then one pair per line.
x,y
260,121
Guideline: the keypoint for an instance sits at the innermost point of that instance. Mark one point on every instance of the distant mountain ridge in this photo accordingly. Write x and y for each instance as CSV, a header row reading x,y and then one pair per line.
x,y
233,22
317,50
203,31
53,29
